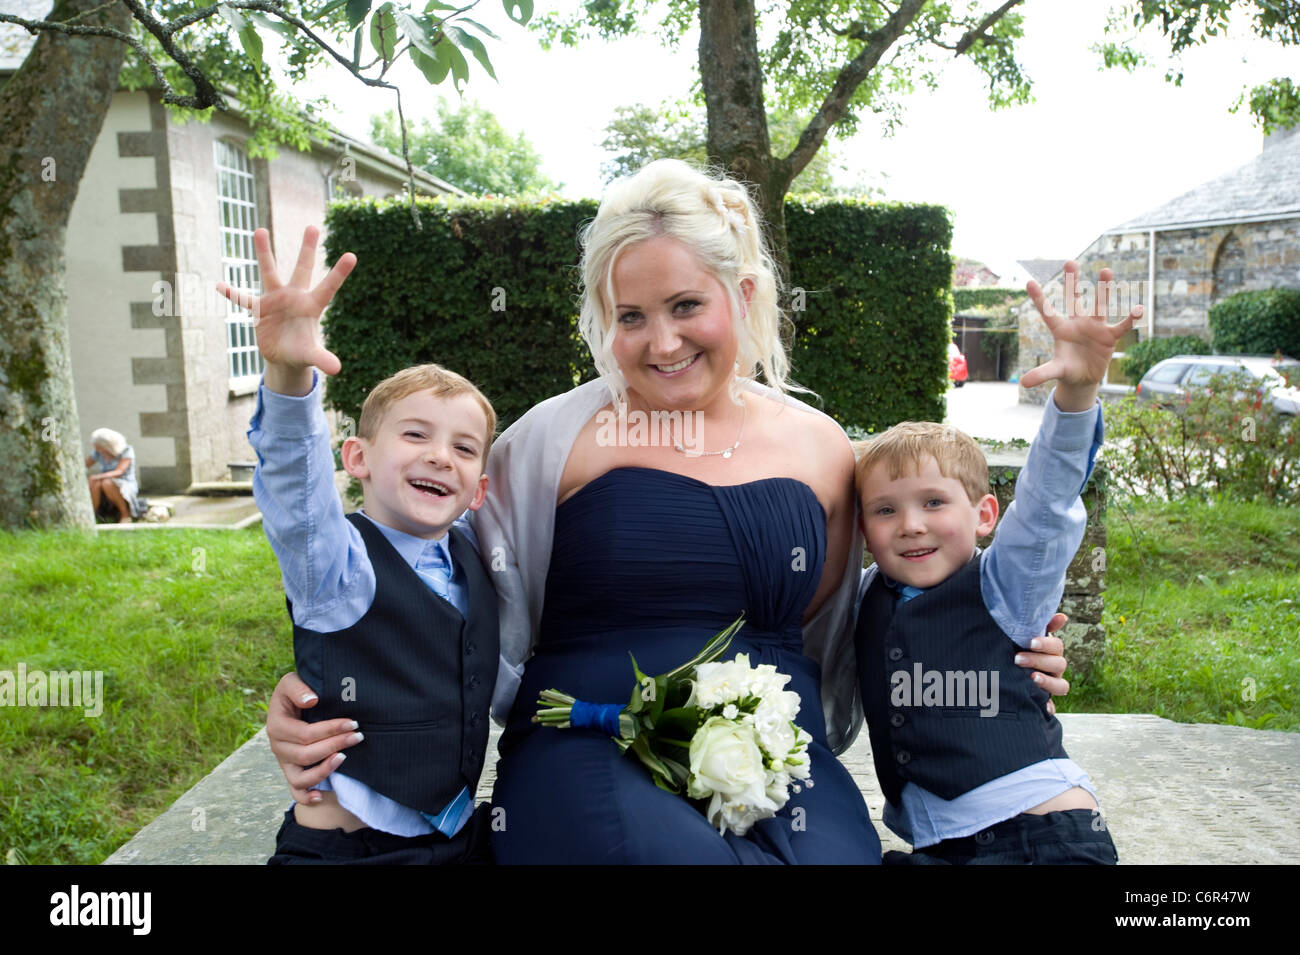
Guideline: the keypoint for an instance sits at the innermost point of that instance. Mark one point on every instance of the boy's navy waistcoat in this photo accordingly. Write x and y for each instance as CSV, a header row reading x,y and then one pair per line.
x,y
947,750
414,673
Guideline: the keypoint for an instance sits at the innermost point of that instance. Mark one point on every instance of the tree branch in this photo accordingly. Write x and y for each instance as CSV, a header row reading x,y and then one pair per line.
x,y
36,26
966,42
847,83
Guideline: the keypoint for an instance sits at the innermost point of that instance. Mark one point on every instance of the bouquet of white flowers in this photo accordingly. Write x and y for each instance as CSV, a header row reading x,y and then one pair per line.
x,y
724,732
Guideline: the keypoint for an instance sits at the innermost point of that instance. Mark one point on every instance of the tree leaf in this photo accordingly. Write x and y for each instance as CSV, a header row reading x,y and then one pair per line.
x,y
438,5
417,31
434,68
459,65
356,12
480,27
252,44
525,10
383,32
471,43
270,23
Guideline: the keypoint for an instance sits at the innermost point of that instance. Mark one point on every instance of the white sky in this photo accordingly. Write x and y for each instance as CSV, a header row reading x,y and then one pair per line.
x,y
1043,180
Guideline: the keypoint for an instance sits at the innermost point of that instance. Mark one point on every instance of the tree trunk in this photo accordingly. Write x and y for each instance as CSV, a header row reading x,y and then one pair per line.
x,y
51,112
732,78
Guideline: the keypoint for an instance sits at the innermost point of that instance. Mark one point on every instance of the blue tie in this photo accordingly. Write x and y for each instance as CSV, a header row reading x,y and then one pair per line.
x,y
907,591
435,570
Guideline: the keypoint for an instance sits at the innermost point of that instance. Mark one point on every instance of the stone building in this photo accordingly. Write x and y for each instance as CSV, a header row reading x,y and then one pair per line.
x,y
1238,232
164,211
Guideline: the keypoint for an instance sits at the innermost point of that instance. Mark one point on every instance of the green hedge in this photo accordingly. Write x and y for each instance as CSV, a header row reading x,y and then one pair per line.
x,y
873,337
1257,323
489,288
985,297
1139,358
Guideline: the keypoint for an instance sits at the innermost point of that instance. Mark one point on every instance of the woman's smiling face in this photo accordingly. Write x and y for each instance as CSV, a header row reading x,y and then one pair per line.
x,y
676,339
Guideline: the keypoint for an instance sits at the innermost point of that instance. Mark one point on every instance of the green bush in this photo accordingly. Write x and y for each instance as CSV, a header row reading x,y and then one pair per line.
x,y
971,297
489,288
1139,358
1257,323
872,337
1221,440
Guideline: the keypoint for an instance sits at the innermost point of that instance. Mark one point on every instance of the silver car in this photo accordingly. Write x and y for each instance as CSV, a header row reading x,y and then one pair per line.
x,y
1170,379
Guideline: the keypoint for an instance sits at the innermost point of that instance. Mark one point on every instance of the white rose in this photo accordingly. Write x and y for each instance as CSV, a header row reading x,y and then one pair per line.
x,y
765,681
717,684
739,811
725,759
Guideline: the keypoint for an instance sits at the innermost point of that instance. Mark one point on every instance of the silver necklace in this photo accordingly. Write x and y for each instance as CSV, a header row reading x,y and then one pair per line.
x,y
725,452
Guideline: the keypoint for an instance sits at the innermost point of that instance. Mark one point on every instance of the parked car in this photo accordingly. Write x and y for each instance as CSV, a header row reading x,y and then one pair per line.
x,y
956,365
1170,379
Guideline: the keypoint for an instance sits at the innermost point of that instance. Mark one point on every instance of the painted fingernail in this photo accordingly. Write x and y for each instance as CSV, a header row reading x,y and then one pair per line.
x,y
1020,659
314,798
1038,678
1035,644
338,759
355,738
307,698
354,725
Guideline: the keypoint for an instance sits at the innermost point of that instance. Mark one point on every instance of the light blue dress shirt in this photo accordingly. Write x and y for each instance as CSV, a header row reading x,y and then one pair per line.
x,y
1022,577
327,572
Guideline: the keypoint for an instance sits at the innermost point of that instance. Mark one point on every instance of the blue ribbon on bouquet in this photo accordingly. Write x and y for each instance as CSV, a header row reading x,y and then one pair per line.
x,y
595,716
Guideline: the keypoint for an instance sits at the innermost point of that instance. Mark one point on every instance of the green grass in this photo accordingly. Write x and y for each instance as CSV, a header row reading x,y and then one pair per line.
x,y
190,631
1202,612
191,642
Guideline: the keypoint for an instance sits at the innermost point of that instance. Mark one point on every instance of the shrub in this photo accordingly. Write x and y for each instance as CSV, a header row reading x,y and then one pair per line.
x,y
1257,323
1223,440
489,289
1139,359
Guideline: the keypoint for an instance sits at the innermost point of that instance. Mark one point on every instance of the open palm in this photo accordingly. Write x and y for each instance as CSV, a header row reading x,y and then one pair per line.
x,y
287,315
1084,340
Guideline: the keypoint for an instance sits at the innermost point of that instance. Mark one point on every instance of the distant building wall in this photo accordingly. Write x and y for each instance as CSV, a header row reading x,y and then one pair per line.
x,y
119,356
1194,268
149,335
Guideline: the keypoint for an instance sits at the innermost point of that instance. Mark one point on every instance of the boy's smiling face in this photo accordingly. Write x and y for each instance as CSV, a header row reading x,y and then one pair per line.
x,y
921,527
424,466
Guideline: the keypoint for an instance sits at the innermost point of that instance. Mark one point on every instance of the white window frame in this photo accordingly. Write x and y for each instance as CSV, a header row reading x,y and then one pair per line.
x,y
236,223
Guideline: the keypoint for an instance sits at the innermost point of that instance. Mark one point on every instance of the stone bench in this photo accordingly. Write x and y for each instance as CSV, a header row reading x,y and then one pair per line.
x,y
1171,792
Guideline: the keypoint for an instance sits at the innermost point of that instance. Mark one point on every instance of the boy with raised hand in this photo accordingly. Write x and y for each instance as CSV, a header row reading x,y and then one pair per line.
x,y
395,617
966,751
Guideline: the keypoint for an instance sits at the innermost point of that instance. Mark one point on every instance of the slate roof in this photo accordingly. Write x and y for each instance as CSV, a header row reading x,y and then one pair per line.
x,y
1266,187
1042,271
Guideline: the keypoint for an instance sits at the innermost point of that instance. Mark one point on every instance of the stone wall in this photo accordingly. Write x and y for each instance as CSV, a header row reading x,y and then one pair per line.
x,y
1194,268
150,363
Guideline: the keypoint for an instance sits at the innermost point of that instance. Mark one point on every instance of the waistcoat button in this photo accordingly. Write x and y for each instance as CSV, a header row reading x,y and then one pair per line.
x,y
895,653
896,720
473,680
904,757
985,837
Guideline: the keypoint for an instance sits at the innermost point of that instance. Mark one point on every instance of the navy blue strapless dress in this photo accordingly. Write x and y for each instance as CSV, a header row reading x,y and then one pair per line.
x,y
654,563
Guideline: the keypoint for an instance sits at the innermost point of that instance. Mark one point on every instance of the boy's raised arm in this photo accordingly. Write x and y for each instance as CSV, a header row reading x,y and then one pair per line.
x,y
327,575
1023,573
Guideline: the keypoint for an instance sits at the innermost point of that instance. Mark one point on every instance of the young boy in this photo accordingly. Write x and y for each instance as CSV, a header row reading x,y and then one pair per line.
x,y
969,759
395,617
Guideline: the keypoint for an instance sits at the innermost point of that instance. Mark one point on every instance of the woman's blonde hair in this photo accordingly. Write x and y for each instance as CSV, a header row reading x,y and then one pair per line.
x,y
716,220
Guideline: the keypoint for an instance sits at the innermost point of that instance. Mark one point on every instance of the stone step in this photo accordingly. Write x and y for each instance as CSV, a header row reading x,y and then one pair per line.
x,y
1171,792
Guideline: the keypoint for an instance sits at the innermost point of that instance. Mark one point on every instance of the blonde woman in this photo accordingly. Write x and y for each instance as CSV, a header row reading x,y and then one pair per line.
x,y
640,513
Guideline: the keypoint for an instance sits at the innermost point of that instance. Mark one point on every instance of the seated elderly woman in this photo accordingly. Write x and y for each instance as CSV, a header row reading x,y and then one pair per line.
x,y
114,493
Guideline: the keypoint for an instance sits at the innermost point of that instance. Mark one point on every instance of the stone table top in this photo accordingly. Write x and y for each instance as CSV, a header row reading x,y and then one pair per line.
x,y
1171,793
